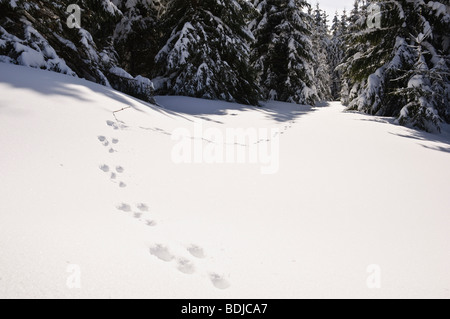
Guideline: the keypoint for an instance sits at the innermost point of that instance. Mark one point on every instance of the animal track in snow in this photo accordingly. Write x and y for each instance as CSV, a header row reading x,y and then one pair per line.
x,y
196,251
162,252
124,207
141,212
150,223
157,130
120,169
142,207
112,124
105,168
141,215
219,281
116,125
185,266
103,140
106,143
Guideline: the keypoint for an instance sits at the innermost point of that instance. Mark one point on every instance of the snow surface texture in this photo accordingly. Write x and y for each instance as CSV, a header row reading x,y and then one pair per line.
x,y
92,206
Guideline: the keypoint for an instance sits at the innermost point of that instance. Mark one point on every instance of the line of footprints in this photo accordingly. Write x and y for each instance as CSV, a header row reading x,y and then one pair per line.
x,y
108,170
185,265
141,212
163,253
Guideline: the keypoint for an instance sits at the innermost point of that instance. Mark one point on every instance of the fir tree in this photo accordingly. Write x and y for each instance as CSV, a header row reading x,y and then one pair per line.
x,y
283,53
136,36
353,46
39,29
419,111
206,52
405,67
336,53
321,44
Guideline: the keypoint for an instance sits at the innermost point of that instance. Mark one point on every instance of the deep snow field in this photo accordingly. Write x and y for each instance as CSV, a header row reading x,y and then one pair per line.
x,y
94,204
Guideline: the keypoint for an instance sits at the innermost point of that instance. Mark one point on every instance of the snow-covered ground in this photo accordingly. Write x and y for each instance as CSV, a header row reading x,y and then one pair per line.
x,y
94,206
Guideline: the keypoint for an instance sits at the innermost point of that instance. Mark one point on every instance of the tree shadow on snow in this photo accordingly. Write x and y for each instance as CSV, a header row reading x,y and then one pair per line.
x,y
285,112
56,84
198,107
202,108
322,104
379,120
443,138
44,82
415,134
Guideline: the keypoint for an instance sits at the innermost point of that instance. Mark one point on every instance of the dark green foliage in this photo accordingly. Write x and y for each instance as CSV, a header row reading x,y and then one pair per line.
x,y
41,27
283,51
401,68
321,63
137,38
206,51
336,51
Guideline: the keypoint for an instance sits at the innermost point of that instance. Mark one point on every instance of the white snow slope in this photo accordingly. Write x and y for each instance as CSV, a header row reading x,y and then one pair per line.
x,y
95,208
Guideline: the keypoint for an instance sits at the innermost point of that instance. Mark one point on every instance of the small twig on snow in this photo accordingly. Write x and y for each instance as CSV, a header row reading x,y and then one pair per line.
x,y
123,109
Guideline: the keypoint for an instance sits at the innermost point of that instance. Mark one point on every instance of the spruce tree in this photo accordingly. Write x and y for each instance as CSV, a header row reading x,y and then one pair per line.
x,y
405,67
87,49
419,94
206,51
353,47
41,29
336,53
137,35
283,52
321,63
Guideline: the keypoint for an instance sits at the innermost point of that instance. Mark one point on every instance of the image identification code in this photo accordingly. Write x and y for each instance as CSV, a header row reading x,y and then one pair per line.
x,y
241,309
